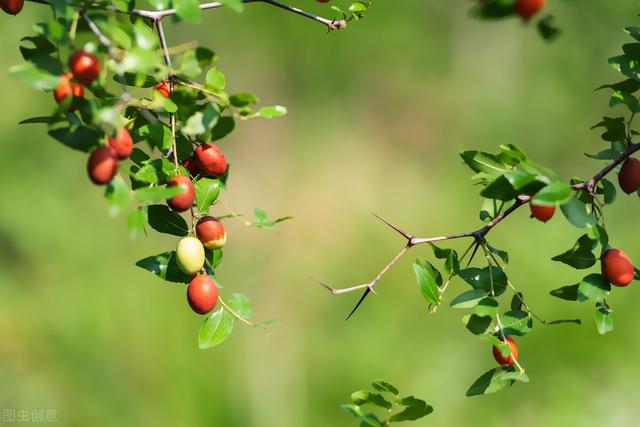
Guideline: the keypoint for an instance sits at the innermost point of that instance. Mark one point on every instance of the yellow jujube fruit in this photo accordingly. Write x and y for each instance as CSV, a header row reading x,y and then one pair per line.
x,y
190,255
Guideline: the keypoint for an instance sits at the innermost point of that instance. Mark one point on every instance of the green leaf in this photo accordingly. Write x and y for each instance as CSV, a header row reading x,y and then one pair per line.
x,y
556,192
117,195
608,190
547,29
157,171
576,212
243,99
225,126
487,307
603,318
414,410
187,10
594,287
235,5
468,299
77,137
493,9
215,80
479,162
429,280
215,328
615,128
262,221
354,410
384,386
580,256
490,209
452,264
499,189
482,279
164,220
598,232
569,293
516,322
136,220
207,192
241,305
503,255
271,112
212,260
48,120
477,324
156,194
139,60
495,380
36,77
517,301
164,265
363,397
561,321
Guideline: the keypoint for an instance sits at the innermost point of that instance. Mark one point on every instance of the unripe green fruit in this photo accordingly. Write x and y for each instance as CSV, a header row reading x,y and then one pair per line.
x,y
190,255
211,232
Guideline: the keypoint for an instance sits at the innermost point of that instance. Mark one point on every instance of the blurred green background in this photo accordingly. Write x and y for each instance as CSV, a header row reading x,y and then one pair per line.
x,y
376,117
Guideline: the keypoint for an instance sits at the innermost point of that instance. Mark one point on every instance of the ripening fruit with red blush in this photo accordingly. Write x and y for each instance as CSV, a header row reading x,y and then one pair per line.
x,y
84,66
184,200
629,176
163,88
542,212
210,159
192,166
202,294
12,7
617,267
211,232
502,360
121,143
322,1
68,88
527,8
102,165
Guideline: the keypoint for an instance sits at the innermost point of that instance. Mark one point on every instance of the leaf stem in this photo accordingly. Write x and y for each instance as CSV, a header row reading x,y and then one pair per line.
x,y
234,314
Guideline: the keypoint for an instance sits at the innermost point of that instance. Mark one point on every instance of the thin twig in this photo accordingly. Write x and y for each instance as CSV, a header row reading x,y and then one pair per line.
x,y
478,235
156,15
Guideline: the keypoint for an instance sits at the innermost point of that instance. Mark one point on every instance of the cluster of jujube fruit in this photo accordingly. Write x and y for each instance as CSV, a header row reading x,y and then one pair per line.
x,y
102,165
202,292
616,266
207,160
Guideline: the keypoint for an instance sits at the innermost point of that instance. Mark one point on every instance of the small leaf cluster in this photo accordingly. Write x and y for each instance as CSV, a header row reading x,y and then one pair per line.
x,y
387,406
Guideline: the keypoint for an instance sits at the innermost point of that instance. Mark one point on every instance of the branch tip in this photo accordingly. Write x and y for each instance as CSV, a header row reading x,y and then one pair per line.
x,y
394,227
